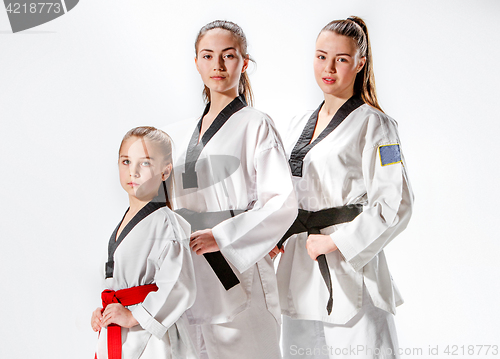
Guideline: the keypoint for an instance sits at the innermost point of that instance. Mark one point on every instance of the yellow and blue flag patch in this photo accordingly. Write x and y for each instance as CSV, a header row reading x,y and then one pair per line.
x,y
389,154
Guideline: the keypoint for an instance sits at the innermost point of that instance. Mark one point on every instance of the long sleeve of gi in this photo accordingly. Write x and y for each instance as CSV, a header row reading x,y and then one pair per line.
x,y
248,237
389,198
176,287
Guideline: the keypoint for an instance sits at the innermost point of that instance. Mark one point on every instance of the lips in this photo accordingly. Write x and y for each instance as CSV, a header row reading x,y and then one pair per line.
x,y
133,184
217,78
328,80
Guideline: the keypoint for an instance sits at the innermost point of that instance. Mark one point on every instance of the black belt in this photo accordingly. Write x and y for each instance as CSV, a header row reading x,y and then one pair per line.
x,y
312,222
216,260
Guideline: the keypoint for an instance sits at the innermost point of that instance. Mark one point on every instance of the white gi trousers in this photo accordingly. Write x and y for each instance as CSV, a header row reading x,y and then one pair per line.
x,y
371,334
253,334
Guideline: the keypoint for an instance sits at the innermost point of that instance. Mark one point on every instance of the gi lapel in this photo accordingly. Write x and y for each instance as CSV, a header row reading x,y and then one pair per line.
x,y
303,145
189,177
114,242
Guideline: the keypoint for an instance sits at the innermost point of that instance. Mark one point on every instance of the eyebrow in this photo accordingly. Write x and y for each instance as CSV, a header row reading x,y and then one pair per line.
x,y
340,54
147,157
226,49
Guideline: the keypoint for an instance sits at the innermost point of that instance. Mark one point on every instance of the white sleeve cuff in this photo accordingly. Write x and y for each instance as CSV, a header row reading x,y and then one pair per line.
x,y
348,252
226,248
148,322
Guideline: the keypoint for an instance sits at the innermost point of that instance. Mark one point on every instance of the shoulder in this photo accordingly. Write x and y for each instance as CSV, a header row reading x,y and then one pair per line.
x,y
378,127
179,228
255,117
374,116
160,218
163,220
260,126
167,226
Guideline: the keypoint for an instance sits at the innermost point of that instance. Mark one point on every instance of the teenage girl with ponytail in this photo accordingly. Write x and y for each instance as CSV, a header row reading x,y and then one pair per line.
x,y
336,293
234,188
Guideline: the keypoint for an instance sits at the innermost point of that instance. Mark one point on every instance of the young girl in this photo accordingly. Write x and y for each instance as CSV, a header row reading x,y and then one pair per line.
x,y
149,273
336,292
236,185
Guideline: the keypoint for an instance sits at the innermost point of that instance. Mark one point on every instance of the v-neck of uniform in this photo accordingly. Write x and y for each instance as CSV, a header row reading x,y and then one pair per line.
x,y
189,177
114,242
304,143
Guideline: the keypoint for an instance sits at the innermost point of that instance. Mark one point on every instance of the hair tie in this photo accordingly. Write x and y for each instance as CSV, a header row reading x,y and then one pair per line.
x,y
363,27
354,21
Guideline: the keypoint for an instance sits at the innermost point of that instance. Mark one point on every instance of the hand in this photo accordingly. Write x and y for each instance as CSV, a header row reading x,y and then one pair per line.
x,y
274,252
203,242
318,244
96,321
115,313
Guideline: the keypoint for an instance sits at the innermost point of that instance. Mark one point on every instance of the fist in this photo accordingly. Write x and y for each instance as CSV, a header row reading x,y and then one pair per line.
x,y
318,244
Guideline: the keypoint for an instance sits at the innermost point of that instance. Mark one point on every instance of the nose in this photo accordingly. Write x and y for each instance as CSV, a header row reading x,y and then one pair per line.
x,y
134,171
330,66
219,65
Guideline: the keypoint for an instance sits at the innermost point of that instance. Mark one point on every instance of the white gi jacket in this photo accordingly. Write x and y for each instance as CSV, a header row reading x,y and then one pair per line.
x,y
156,251
342,169
242,167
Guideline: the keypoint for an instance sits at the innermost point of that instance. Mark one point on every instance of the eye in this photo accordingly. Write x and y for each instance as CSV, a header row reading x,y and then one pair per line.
x,y
341,59
229,56
321,57
126,162
207,57
146,164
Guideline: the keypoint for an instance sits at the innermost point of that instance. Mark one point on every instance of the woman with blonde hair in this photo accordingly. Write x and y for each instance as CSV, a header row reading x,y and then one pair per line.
x,y
336,293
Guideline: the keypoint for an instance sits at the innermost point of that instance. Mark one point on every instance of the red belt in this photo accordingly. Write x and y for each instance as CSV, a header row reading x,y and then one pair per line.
x,y
125,297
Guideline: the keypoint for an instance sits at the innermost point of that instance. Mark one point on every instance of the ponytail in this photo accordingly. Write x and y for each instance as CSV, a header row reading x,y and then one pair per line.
x,y
355,28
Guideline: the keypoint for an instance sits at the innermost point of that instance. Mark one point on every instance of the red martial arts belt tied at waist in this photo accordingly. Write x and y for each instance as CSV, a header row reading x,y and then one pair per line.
x,y
125,297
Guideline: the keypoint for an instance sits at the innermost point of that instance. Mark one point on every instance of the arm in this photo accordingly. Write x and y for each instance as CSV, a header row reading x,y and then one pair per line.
x,y
389,196
176,285
248,237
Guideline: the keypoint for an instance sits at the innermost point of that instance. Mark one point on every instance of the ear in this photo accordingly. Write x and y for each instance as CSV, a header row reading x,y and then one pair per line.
x,y
166,172
196,63
245,64
361,64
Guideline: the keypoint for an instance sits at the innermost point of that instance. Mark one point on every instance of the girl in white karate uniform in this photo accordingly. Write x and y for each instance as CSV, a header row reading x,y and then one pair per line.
x,y
235,183
149,275
348,172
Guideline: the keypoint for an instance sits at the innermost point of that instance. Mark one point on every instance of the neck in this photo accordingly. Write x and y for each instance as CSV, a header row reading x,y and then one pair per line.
x,y
136,204
333,103
218,101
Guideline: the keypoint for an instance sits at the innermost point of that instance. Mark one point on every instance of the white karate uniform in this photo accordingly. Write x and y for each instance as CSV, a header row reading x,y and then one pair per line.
x,y
242,167
156,251
345,168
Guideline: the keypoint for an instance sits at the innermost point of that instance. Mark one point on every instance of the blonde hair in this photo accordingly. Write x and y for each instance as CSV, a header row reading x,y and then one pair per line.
x,y
244,87
355,28
163,140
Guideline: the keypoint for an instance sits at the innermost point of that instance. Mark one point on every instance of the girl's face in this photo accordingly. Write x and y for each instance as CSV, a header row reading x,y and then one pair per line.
x,y
141,165
336,64
219,62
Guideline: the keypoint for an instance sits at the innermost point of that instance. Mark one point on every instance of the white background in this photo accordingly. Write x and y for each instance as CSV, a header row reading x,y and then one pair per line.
x,y
71,88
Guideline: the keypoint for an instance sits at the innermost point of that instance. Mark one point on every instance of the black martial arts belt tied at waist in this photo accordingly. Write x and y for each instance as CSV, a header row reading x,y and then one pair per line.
x,y
216,260
312,222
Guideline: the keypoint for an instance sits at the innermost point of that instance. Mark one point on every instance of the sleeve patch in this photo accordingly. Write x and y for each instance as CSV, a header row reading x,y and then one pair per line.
x,y
389,154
